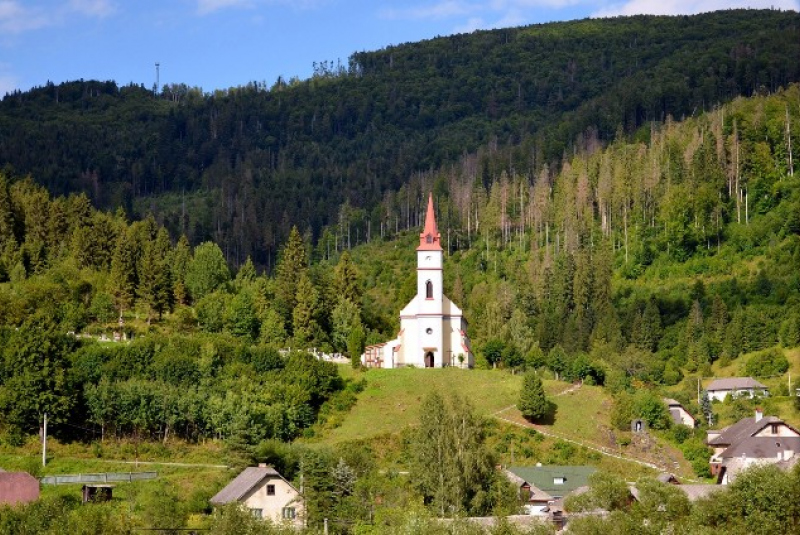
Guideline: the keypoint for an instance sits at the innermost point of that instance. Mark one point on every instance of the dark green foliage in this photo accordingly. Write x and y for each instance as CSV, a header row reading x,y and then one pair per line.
x,y
206,271
606,491
450,464
697,453
293,264
644,404
493,351
533,403
539,91
35,377
767,363
760,500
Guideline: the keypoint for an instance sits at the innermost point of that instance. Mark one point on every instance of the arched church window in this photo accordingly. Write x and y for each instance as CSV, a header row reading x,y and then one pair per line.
x,y
429,290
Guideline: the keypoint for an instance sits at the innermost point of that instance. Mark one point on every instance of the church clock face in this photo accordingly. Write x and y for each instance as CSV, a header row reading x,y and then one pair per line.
x,y
428,258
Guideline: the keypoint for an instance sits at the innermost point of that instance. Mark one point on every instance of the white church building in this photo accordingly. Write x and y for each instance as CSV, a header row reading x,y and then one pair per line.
x,y
433,331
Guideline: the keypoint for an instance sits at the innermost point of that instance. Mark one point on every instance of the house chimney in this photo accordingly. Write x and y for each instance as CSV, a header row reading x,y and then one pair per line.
x,y
262,465
759,414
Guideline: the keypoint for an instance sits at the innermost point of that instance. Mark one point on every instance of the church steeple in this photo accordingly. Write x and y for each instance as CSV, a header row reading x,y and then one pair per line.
x,y
430,239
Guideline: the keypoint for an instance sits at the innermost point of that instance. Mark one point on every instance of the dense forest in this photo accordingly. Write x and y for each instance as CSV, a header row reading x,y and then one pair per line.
x,y
638,262
242,166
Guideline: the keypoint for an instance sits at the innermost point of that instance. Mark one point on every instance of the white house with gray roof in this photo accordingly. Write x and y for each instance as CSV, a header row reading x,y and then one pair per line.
x,y
737,387
266,494
757,440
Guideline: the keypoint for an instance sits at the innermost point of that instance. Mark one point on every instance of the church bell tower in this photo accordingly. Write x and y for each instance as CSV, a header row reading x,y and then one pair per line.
x,y
430,291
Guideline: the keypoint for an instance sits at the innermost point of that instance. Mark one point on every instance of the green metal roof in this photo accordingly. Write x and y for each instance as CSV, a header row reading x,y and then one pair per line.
x,y
543,477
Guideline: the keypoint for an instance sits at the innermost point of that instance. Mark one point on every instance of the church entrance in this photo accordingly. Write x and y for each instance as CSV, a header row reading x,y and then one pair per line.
x,y
429,359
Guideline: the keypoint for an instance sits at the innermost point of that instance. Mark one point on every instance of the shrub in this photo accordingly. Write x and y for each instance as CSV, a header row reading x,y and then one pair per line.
x,y
766,363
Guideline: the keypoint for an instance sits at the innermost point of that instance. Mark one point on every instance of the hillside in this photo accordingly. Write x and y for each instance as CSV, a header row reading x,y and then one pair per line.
x,y
579,432
241,166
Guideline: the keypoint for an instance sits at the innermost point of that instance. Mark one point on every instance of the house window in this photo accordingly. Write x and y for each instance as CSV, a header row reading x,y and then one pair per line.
x,y
774,428
429,290
257,513
270,490
288,513
559,480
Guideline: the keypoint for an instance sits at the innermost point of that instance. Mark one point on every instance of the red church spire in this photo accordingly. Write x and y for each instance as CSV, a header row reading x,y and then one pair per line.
x,y
430,239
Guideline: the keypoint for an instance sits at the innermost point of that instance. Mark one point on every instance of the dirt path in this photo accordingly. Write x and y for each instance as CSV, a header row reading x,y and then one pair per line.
x,y
594,447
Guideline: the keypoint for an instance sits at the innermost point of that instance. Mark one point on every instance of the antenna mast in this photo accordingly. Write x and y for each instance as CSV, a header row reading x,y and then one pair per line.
x,y
155,89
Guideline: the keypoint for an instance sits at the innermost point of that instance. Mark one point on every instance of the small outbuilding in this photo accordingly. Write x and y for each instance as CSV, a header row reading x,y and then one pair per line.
x,y
18,488
679,414
97,493
265,493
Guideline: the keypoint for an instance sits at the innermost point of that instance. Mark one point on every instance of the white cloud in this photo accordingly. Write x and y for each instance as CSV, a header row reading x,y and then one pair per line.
x,y
15,19
440,10
689,7
205,7
92,8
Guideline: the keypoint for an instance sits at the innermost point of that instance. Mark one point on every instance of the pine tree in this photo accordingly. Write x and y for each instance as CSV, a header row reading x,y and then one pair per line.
x,y
154,275
706,408
304,318
246,274
293,264
123,271
346,280
355,344
533,403
179,263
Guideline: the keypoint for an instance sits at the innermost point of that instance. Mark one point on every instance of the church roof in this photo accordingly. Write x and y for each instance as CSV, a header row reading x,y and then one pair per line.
x,y
430,239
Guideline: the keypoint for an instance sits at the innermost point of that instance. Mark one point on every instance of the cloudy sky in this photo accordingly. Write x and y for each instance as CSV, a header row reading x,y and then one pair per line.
x,y
216,44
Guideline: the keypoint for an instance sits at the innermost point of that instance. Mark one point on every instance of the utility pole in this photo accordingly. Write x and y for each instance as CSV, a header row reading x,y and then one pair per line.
x,y
44,441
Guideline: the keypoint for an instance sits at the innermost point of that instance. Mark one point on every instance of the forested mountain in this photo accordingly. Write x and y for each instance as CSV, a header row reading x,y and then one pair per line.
x,y
241,166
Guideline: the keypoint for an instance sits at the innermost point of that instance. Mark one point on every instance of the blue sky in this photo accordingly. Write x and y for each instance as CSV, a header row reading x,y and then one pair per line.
x,y
216,44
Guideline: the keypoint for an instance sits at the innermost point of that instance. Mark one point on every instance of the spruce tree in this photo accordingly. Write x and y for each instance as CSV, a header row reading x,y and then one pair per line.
x,y
123,271
304,317
180,258
533,402
292,265
346,281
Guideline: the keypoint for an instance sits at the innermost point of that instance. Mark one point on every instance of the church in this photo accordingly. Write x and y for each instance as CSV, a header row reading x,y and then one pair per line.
x,y
433,331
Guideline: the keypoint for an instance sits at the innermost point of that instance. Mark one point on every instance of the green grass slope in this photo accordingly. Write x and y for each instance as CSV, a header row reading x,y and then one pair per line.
x,y
390,401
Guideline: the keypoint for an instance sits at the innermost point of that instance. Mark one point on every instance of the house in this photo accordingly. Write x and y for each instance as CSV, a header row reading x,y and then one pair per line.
x,y
265,493
736,386
757,440
679,414
433,330
542,486
18,488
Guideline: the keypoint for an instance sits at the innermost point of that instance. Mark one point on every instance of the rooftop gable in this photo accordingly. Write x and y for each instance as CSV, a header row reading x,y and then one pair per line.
x,y
543,477
242,484
734,383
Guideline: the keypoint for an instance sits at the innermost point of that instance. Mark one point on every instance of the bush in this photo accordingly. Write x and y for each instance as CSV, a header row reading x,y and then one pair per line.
x,y
766,363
